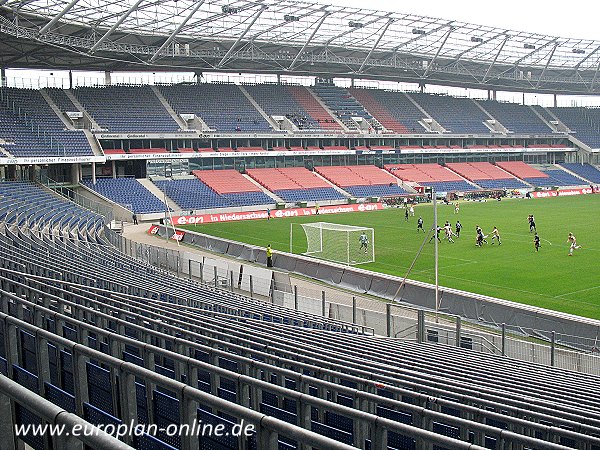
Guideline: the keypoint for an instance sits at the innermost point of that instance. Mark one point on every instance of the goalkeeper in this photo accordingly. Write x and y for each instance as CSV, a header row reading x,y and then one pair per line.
x,y
364,241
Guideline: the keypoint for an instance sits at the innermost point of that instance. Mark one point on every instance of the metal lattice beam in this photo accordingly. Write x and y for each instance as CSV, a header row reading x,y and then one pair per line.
x,y
590,54
421,36
495,59
387,25
319,23
547,64
241,36
344,33
450,30
177,30
116,25
58,16
464,52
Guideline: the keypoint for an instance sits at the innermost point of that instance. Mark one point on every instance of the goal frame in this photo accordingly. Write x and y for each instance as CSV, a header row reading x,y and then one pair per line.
x,y
348,230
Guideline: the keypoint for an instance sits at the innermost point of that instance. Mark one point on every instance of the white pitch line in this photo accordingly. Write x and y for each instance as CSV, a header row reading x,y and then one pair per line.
x,y
577,292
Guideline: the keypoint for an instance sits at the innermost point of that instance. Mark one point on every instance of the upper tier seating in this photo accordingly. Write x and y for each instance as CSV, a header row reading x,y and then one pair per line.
x,y
129,193
61,99
581,123
310,104
125,109
223,107
516,118
74,312
486,175
344,105
438,177
42,132
456,115
362,181
278,100
294,184
587,171
392,109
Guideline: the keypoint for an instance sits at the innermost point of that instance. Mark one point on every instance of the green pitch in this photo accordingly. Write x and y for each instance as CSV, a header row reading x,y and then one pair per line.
x,y
513,271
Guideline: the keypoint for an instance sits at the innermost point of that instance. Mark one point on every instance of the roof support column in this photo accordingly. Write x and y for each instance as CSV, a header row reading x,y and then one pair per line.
x,y
57,17
107,78
362,66
70,79
495,59
3,82
547,64
450,30
555,101
321,20
177,30
241,36
116,25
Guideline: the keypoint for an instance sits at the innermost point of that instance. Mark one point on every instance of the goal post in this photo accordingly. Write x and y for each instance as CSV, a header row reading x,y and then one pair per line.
x,y
343,244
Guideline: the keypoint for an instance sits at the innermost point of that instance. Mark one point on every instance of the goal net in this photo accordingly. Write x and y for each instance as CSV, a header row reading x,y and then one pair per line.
x,y
340,243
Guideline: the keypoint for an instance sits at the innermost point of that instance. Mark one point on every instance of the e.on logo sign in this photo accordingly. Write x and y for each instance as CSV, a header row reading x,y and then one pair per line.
x,y
153,229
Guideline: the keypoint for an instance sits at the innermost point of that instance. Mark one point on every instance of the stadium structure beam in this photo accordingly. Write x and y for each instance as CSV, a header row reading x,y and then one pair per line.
x,y
57,17
547,63
541,47
176,31
241,36
116,25
589,55
2,2
319,23
595,76
421,36
370,22
437,53
271,28
389,22
487,41
495,58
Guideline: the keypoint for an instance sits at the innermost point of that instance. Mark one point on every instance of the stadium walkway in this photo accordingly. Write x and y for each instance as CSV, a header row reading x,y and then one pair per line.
x,y
306,287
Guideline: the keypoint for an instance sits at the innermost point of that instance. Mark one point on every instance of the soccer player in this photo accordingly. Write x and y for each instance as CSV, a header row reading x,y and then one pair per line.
x,y
420,224
536,242
573,241
449,233
458,227
268,213
406,213
436,235
364,241
456,208
412,210
496,235
531,220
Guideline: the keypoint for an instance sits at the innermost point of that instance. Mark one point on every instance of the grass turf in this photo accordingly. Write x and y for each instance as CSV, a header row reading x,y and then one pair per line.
x,y
513,271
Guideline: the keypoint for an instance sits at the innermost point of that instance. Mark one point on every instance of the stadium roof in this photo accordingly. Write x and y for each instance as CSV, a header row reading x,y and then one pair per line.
x,y
290,37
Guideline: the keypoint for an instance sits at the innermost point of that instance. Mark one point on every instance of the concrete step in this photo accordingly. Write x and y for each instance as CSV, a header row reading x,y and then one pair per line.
x,y
148,184
93,143
264,189
167,106
80,107
56,109
259,109
329,111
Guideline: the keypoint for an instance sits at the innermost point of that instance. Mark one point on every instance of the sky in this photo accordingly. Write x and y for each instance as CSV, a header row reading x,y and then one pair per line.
x,y
574,21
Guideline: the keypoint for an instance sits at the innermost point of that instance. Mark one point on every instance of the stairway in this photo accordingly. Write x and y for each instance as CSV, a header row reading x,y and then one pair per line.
x,y
170,110
268,118
56,110
148,184
315,108
378,111
263,189
80,107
